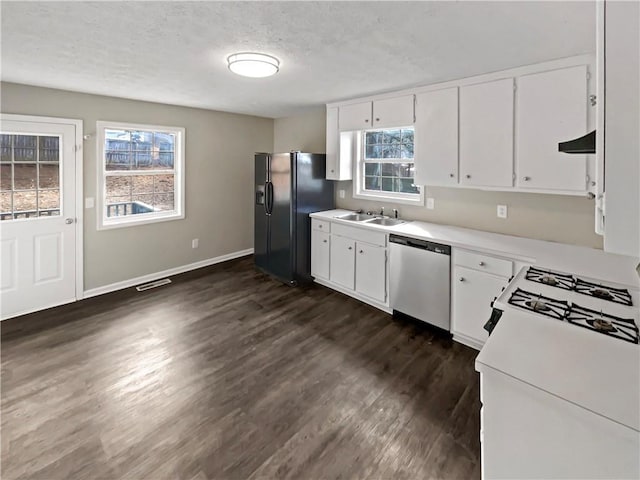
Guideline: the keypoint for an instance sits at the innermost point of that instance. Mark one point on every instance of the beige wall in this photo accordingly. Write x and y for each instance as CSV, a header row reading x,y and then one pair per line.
x,y
304,132
219,181
556,218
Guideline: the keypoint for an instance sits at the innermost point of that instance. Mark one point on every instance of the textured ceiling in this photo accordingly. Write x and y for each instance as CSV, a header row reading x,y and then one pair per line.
x,y
174,52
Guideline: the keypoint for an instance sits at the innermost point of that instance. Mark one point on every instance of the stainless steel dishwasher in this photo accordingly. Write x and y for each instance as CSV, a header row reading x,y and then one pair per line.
x,y
420,280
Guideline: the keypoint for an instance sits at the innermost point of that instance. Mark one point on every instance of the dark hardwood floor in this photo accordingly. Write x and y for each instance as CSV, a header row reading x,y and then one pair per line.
x,y
229,374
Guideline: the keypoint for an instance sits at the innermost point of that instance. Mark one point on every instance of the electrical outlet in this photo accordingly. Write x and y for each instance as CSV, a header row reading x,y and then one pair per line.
x,y
341,193
502,211
194,243
431,203
89,202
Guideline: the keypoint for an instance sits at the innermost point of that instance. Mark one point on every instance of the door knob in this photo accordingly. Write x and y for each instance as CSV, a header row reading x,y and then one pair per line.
x,y
69,221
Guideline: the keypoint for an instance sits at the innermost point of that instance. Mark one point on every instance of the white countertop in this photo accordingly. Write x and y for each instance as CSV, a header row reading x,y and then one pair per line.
x,y
589,369
574,259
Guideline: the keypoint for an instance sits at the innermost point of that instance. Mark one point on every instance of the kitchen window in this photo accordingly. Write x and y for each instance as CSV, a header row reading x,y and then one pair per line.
x,y
385,167
140,174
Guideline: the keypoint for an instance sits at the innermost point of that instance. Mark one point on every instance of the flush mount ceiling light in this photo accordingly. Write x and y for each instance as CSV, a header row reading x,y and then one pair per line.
x,y
254,65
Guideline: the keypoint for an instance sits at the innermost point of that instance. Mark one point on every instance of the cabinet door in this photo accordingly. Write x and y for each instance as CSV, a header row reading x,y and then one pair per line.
x,y
342,264
371,271
355,117
473,293
393,112
486,134
320,248
333,144
436,138
552,108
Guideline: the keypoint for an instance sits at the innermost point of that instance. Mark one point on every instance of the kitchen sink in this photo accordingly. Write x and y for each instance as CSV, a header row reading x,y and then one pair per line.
x,y
387,222
356,217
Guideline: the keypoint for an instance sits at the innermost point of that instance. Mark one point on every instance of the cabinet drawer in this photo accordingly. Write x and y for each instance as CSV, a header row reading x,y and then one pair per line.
x,y
321,225
483,263
375,238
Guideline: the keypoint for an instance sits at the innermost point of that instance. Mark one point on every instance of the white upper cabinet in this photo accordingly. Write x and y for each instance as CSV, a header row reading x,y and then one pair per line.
x,y
333,144
356,116
486,134
436,138
393,112
551,108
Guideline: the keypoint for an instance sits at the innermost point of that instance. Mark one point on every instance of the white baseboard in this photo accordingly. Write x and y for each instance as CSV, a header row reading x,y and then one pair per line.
x,y
165,273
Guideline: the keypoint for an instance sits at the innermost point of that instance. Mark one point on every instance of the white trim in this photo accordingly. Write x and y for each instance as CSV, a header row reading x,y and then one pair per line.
x,y
165,273
178,171
587,59
37,309
79,185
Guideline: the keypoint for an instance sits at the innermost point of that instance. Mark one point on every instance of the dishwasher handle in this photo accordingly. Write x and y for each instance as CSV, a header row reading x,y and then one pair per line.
x,y
421,244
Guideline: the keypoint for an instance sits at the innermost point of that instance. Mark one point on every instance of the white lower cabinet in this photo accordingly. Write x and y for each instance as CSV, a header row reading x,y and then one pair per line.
x,y
529,433
371,271
352,260
320,249
476,280
342,261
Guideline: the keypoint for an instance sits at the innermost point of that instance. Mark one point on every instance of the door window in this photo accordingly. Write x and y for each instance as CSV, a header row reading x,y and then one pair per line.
x,y
29,176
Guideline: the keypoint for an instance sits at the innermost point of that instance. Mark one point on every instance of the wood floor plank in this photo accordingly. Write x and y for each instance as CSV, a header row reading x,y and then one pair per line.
x,y
229,374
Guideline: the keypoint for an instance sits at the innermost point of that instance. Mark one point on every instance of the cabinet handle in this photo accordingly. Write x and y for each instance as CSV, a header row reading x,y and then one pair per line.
x,y
481,264
350,248
366,120
324,241
361,251
526,179
377,119
461,279
451,175
468,176
332,170
319,226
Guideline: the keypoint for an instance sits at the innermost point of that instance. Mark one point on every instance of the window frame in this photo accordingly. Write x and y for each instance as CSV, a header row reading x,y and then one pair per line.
x,y
178,213
358,174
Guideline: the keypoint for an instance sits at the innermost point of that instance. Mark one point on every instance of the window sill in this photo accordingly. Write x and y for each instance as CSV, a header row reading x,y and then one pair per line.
x,y
418,200
132,221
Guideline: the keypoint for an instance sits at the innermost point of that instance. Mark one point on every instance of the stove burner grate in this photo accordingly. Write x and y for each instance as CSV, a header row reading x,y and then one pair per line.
x,y
617,295
548,277
539,304
622,328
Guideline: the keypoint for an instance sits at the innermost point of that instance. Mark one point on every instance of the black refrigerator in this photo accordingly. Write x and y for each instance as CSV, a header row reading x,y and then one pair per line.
x,y
288,187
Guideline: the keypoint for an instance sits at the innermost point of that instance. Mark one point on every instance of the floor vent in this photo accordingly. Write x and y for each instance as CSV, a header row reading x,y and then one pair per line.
x,y
150,285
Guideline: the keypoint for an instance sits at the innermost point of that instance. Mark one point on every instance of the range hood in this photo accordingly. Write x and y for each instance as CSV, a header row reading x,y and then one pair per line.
x,y
585,144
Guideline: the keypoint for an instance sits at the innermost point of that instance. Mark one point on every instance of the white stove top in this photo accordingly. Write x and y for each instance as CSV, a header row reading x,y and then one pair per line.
x,y
563,301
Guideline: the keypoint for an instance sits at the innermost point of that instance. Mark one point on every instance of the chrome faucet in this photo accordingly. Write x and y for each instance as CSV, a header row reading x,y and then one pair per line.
x,y
382,211
395,213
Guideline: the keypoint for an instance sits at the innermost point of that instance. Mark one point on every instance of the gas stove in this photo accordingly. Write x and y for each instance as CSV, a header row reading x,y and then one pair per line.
x,y
603,307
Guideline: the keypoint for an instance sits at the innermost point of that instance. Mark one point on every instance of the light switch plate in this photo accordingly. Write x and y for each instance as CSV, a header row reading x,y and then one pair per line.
x,y
341,193
431,203
89,202
502,211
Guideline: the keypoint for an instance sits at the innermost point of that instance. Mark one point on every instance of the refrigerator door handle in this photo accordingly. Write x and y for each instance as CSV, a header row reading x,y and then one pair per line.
x,y
268,204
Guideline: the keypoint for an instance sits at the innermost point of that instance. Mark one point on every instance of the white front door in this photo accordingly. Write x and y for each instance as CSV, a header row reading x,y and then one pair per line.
x,y
38,238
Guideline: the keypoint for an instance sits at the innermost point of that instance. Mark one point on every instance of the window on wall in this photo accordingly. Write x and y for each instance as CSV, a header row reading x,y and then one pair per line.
x,y
385,165
141,174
